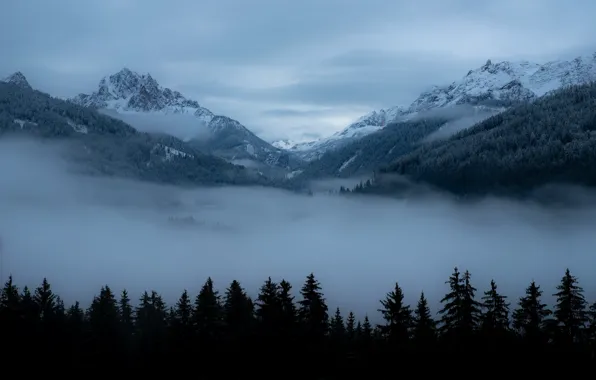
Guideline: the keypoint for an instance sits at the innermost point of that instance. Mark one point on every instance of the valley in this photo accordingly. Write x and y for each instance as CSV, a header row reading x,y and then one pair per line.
x,y
320,186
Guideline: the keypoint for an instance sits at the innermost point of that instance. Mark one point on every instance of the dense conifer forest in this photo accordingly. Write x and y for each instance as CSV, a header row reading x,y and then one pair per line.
x,y
283,332
550,140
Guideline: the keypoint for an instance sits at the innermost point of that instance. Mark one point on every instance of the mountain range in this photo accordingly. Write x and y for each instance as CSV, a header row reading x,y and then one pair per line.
x,y
107,129
99,145
492,87
130,96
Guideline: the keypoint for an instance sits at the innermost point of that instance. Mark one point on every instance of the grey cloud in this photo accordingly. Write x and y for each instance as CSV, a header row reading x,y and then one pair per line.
x,y
292,112
376,79
339,53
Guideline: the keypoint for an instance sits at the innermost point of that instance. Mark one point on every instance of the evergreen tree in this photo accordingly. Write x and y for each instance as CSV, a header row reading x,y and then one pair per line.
x,y
471,307
181,325
531,314
76,337
313,310
452,311
103,314
9,297
461,312
364,332
151,326
496,314
268,309
45,300
29,307
143,317
337,328
350,327
10,315
182,313
238,312
60,309
208,313
367,329
75,316
289,313
126,315
160,314
424,331
397,316
104,321
570,309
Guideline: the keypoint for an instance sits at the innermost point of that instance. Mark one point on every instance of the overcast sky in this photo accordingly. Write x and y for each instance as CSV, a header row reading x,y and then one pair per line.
x,y
285,68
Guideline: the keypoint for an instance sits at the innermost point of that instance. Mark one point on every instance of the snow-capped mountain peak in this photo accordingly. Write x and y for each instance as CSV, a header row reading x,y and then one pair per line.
x,y
505,81
127,92
365,125
18,79
509,81
372,121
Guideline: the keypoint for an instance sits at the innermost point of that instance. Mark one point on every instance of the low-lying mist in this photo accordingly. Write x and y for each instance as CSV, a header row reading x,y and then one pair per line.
x,y
82,233
186,127
460,117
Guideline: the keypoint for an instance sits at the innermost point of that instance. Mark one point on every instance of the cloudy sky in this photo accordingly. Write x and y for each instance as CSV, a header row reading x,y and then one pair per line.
x,y
285,68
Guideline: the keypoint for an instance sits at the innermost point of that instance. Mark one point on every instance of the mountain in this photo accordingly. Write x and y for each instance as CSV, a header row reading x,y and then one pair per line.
x,y
362,156
18,79
97,144
128,94
492,86
550,141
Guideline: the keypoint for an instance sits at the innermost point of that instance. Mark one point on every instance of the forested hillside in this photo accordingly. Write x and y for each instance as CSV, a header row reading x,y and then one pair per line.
x,y
372,151
105,146
551,140
378,149
282,329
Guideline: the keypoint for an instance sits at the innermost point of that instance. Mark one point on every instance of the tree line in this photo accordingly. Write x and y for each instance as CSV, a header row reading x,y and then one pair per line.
x,y
276,329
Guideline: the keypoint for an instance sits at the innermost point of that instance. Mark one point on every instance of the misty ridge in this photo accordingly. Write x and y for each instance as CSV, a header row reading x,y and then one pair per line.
x,y
90,231
459,118
185,127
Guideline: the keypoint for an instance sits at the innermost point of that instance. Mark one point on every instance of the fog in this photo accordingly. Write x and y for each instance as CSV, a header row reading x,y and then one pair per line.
x,y
186,127
82,233
460,117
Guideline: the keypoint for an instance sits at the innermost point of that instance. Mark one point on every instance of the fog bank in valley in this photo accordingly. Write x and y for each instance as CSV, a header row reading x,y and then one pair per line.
x,y
82,233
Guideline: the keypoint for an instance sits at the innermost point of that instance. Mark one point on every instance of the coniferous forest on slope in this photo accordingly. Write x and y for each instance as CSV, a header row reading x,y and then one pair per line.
x,y
283,332
549,141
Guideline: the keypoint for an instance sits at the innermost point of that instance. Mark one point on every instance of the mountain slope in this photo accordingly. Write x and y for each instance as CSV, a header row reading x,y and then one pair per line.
x,y
18,79
101,145
363,156
552,140
493,84
128,93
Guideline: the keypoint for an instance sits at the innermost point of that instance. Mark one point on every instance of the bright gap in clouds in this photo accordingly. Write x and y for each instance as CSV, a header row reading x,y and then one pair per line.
x,y
83,233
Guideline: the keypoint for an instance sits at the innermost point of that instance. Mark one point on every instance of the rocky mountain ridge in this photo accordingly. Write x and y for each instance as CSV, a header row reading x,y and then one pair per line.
x,y
491,85
128,93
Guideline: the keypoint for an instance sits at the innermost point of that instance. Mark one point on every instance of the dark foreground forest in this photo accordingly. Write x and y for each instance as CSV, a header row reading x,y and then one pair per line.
x,y
276,335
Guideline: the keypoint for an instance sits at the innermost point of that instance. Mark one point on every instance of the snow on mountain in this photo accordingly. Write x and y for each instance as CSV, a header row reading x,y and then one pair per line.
x,y
493,82
17,79
284,144
128,93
